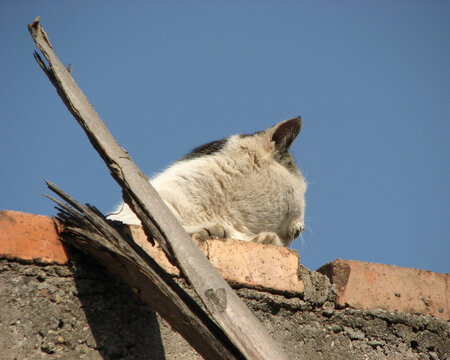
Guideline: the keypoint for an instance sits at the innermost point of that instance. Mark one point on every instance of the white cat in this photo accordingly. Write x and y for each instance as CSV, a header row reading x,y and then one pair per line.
x,y
244,187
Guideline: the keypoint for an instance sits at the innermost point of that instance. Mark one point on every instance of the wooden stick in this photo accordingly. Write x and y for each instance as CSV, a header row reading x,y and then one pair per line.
x,y
236,320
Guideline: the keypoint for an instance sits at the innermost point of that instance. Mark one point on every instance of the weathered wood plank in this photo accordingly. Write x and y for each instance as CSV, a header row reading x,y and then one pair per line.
x,y
237,321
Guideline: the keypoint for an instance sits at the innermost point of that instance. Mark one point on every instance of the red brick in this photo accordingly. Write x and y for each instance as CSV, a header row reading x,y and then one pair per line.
x,y
240,262
30,237
260,266
363,285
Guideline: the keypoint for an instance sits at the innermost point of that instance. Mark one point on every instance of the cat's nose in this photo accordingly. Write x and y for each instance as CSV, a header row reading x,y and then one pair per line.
x,y
299,231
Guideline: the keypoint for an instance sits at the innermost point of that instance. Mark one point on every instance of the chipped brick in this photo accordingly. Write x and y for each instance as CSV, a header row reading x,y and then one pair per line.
x,y
363,285
240,262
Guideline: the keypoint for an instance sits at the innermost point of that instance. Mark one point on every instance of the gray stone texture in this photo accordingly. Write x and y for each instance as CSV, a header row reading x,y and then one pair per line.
x,y
81,311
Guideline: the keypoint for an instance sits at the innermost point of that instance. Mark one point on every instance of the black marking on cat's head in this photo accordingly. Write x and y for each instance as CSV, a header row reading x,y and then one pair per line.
x,y
252,134
206,149
287,160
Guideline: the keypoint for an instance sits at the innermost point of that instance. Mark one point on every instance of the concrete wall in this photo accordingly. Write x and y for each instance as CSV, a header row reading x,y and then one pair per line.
x,y
56,303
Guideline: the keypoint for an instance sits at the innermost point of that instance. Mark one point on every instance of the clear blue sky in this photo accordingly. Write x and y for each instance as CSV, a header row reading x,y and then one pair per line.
x,y
370,79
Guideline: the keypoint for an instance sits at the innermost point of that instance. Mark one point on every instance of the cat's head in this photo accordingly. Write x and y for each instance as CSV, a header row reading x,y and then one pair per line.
x,y
265,176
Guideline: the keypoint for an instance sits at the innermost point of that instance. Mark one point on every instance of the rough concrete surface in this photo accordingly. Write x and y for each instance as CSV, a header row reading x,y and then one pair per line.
x,y
80,311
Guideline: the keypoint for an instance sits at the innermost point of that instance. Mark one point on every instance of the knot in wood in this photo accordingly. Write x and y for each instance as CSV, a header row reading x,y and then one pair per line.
x,y
216,299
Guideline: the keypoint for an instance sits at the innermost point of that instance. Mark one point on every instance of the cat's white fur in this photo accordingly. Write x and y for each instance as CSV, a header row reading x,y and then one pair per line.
x,y
240,191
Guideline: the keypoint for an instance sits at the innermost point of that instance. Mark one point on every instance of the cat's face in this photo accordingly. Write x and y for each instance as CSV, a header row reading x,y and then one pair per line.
x,y
280,184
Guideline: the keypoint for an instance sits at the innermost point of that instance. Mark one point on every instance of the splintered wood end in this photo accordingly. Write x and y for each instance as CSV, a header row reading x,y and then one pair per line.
x,y
37,31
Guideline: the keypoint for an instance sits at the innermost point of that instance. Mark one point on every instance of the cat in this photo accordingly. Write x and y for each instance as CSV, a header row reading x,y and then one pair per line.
x,y
244,187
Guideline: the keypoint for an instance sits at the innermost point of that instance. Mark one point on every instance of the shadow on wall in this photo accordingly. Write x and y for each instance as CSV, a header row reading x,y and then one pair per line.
x,y
123,327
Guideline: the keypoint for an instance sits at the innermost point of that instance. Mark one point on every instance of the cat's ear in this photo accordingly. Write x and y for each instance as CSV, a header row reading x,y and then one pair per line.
x,y
283,134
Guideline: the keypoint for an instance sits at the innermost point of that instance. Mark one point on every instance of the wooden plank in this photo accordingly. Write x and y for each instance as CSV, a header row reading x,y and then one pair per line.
x,y
237,321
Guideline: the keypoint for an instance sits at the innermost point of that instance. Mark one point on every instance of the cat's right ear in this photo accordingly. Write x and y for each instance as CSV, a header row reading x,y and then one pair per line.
x,y
282,135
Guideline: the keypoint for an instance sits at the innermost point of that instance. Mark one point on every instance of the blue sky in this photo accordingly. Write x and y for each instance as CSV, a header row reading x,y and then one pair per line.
x,y
369,78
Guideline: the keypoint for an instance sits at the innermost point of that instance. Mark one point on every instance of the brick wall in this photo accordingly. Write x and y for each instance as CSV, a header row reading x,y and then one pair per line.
x,y
367,311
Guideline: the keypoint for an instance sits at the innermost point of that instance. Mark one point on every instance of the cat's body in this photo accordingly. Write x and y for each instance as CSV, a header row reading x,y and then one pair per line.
x,y
244,187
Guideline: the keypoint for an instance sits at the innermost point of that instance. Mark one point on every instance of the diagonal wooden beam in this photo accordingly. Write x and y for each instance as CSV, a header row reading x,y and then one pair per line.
x,y
225,307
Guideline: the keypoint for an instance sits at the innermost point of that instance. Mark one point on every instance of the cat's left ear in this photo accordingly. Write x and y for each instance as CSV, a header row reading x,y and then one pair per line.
x,y
283,134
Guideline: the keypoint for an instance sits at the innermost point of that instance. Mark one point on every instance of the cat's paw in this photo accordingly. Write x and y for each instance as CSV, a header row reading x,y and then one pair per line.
x,y
268,238
209,232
